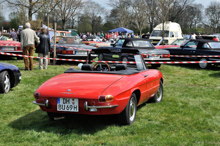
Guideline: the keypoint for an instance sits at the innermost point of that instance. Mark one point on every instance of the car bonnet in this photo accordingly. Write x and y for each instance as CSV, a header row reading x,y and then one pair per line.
x,y
77,85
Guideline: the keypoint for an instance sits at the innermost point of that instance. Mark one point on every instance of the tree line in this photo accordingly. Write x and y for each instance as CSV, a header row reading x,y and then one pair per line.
x,y
88,16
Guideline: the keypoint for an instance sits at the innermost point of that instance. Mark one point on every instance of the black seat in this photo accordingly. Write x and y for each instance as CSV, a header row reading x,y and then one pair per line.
x,y
120,67
86,67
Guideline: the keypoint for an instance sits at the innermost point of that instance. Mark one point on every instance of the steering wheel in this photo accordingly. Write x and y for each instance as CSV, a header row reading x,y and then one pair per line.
x,y
98,67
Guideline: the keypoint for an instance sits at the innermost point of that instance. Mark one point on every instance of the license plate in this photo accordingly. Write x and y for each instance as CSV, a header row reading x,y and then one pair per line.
x,y
115,56
80,52
68,104
154,56
7,48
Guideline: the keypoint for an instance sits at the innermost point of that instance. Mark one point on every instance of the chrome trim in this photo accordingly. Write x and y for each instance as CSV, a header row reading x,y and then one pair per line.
x,y
47,103
40,104
87,107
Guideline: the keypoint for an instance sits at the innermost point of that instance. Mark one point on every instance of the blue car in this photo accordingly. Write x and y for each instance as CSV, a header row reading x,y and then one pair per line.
x,y
10,76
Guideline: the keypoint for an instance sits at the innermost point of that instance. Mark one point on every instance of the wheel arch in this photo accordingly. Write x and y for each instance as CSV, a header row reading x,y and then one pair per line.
x,y
137,92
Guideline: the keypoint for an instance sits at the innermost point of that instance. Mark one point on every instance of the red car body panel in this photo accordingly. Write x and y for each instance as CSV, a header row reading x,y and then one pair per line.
x,y
166,46
10,47
87,87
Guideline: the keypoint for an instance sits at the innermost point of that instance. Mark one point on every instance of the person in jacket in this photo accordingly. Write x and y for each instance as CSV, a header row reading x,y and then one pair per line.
x,y
14,35
43,48
28,38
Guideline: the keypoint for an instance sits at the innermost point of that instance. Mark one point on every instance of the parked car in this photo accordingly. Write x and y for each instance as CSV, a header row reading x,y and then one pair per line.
x,y
176,44
211,37
197,47
101,89
11,47
148,51
71,48
10,76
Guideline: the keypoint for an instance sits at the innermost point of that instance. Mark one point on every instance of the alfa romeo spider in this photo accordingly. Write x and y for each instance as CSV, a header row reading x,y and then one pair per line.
x,y
101,88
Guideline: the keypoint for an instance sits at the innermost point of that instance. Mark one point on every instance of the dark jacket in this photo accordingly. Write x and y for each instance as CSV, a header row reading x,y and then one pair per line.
x,y
44,46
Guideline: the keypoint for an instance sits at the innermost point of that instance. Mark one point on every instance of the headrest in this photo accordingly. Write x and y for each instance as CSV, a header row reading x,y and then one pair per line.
x,y
120,67
86,67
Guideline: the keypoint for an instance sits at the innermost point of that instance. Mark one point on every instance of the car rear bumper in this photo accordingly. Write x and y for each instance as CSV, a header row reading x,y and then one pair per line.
x,y
75,56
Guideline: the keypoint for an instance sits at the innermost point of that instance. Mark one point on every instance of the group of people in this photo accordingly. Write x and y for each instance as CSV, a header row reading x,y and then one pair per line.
x,y
28,38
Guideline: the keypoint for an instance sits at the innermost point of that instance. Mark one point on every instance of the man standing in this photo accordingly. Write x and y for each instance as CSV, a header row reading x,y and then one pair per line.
x,y
28,36
14,35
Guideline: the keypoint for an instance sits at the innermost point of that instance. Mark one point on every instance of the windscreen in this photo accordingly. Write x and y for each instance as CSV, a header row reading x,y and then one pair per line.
x,y
215,45
158,33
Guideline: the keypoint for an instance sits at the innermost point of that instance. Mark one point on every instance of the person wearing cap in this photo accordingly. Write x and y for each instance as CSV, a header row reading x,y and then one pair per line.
x,y
28,38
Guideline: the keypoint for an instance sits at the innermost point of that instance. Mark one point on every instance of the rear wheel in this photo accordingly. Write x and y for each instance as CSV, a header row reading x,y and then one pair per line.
x,y
5,83
127,117
159,94
100,57
125,59
204,65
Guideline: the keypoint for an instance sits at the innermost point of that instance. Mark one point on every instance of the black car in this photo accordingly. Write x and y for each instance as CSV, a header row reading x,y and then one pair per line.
x,y
144,46
197,47
10,76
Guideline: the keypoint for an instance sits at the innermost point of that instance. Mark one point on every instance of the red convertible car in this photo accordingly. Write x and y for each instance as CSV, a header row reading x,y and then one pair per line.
x,y
101,89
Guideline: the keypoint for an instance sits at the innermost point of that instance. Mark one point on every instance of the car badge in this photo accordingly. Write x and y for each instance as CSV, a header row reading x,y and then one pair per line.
x,y
68,90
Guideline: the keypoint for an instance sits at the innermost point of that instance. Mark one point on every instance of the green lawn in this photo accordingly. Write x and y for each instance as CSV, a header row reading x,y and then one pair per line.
x,y
188,115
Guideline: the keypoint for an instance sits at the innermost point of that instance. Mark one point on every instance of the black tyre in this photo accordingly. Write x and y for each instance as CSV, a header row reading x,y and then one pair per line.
x,y
155,65
159,94
127,117
100,57
204,65
5,82
124,59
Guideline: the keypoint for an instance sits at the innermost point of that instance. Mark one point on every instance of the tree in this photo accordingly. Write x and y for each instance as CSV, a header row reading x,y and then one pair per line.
x,y
162,11
94,12
2,18
213,14
68,9
13,17
33,6
121,8
139,16
151,7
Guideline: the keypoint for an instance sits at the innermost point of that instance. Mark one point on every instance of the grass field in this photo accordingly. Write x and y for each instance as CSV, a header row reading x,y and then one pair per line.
x,y
188,115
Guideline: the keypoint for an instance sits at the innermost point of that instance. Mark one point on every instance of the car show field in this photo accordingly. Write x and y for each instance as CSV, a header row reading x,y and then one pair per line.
x,y
188,115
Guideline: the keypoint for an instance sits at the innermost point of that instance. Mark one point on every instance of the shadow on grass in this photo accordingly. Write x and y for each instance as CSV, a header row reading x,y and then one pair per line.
x,y
78,124
216,75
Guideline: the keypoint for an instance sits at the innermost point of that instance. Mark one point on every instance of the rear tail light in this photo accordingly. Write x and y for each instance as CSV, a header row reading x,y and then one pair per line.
x,y
166,55
106,98
67,52
144,55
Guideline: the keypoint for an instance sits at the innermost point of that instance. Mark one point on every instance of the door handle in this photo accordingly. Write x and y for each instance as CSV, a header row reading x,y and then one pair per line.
x,y
145,75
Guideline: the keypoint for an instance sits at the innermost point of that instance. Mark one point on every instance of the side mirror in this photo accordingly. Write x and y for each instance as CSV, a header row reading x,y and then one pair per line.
x,y
113,45
172,36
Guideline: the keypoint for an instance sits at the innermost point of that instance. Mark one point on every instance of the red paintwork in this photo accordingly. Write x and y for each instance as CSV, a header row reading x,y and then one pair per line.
x,y
17,49
89,86
166,46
